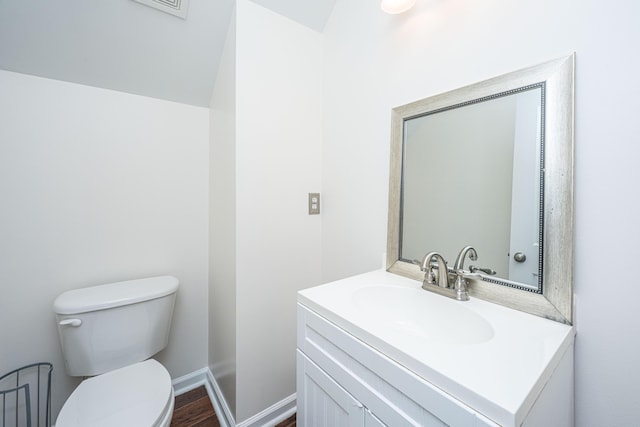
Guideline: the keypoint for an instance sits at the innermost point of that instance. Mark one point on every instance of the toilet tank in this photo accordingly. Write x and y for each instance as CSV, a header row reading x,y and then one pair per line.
x,y
106,327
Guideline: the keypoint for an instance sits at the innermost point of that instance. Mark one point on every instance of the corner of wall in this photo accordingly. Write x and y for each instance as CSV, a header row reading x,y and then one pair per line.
x,y
222,224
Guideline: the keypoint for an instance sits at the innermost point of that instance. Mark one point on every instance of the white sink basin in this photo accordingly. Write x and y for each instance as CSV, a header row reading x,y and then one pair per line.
x,y
411,312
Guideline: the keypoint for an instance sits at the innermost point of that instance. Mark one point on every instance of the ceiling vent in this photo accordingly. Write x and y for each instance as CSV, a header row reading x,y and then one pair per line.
x,y
174,7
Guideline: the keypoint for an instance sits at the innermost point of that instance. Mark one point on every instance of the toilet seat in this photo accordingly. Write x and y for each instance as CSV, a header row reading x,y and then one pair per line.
x,y
137,395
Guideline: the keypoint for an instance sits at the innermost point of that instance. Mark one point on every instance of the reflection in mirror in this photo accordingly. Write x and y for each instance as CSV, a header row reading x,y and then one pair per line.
x,y
478,183
490,165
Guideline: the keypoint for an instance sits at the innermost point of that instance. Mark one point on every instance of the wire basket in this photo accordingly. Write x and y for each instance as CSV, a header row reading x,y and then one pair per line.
x,y
25,396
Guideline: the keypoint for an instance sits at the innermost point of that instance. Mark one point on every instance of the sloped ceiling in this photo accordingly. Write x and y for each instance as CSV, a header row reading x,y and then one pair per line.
x,y
311,13
127,46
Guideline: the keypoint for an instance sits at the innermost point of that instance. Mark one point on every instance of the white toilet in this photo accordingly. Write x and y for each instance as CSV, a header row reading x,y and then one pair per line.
x,y
108,333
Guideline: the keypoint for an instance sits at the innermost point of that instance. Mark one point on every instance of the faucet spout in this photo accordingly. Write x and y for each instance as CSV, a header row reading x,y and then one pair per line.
x,y
473,256
429,276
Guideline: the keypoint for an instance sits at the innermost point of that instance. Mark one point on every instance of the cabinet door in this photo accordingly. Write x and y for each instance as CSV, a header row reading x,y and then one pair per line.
x,y
321,401
394,395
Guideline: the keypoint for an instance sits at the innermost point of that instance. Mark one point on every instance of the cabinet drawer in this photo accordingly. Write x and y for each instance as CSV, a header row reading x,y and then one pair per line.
x,y
395,395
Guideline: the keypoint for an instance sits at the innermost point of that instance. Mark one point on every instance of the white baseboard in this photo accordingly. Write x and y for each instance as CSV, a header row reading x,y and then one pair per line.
x,y
190,381
225,417
271,416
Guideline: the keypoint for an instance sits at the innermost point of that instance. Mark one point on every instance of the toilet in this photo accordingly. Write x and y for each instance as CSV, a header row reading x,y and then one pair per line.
x,y
108,333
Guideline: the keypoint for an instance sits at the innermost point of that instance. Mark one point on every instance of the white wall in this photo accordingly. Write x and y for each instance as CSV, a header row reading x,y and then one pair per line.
x,y
97,186
278,161
222,224
374,62
265,158
607,212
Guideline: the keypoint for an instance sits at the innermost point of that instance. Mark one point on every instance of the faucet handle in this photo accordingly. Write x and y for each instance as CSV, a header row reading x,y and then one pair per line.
x,y
462,293
430,275
434,264
485,270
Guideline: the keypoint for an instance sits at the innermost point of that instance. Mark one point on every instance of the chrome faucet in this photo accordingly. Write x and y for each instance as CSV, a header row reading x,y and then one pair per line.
x,y
439,282
429,276
460,286
473,256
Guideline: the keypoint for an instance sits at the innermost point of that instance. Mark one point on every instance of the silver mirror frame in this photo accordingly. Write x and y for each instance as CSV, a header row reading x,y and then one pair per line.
x,y
556,300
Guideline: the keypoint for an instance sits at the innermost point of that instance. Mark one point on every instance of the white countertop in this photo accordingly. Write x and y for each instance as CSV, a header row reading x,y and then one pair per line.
x,y
498,365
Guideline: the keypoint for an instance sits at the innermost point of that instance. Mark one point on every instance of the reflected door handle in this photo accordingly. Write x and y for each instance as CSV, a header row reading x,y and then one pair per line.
x,y
519,257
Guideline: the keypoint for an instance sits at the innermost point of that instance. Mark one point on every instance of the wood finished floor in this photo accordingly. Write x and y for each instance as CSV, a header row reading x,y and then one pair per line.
x,y
194,409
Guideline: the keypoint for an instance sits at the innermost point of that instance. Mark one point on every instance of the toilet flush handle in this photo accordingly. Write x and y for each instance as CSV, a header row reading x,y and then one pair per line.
x,y
71,322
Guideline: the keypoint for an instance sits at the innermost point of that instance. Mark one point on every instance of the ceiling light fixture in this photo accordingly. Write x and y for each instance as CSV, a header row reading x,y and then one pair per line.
x,y
396,6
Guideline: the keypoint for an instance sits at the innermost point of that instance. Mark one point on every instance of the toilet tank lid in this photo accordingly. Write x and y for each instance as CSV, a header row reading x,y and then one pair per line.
x,y
114,294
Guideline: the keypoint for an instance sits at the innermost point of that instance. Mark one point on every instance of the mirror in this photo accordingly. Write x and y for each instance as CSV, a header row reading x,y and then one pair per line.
x,y
490,165
488,175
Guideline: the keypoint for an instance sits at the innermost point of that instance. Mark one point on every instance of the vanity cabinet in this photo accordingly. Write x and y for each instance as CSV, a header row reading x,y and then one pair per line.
x,y
344,382
377,350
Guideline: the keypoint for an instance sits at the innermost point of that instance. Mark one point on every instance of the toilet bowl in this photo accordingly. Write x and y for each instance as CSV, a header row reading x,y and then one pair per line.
x,y
108,333
136,395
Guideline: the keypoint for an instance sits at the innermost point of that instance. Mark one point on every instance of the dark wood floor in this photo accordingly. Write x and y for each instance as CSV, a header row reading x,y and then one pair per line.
x,y
194,409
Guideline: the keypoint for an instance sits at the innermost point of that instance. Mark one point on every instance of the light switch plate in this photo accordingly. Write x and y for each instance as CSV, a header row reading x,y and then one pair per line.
x,y
314,203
